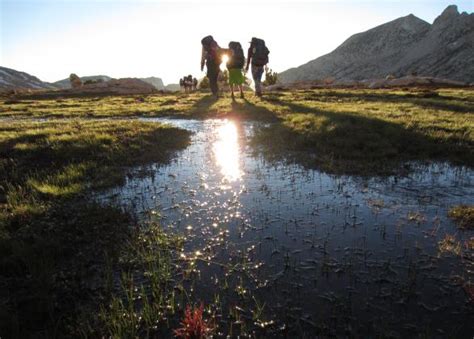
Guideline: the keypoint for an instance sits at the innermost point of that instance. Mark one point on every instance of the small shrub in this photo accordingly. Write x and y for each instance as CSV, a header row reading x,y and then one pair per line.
x,y
193,325
204,84
271,77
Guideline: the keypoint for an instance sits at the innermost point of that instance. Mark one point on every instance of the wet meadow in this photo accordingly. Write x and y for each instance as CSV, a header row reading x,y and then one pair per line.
x,y
330,213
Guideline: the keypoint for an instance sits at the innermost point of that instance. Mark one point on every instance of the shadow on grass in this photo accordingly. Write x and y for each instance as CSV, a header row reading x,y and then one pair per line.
x,y
210,107
346,143
425,99
251,111
201,109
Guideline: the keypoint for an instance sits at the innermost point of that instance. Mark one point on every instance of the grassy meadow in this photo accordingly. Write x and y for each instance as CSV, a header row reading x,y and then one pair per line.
x,y
59,250
362,132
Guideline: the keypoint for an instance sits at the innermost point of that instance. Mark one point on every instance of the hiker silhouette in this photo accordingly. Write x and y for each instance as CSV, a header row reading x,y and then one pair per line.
x,y
257,56
211,56
235,64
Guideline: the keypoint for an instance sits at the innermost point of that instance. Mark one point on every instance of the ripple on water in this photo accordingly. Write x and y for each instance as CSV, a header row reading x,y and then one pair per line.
x,y
354,252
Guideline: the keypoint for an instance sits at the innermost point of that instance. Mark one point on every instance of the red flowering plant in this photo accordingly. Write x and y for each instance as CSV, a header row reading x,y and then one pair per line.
x,y
194,326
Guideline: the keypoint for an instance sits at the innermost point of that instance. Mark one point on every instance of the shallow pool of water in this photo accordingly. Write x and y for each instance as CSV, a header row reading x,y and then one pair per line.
x,y
324,254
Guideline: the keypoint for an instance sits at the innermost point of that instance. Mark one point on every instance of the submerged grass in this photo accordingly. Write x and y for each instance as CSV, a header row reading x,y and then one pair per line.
x,y
463,215
146,299
53,240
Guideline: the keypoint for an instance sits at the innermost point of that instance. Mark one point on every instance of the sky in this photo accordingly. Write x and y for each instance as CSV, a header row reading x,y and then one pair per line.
x,y
140,38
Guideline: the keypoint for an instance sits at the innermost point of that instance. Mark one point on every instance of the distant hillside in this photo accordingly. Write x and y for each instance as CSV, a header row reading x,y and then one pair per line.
x,y
406,45
12,79
65,84
157,82
173,87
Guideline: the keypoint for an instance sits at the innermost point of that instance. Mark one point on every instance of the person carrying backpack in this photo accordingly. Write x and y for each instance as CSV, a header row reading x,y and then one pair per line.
x,y
188,83
258,55
235,64
211,56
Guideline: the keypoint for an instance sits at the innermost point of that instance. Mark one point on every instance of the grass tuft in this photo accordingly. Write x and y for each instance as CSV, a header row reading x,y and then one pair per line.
x,y
463,215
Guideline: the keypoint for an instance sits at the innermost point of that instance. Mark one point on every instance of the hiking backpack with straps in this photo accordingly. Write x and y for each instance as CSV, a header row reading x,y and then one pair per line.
x,y
211,47
237,59
260,52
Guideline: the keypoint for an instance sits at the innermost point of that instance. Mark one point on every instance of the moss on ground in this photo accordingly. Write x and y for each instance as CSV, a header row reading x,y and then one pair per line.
x,y
54,241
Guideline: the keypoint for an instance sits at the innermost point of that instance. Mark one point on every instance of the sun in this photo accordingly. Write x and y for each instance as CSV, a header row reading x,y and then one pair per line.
x,y
225,59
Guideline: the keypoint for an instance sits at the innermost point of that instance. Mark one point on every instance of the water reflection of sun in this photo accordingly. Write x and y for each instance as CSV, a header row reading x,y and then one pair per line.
x,y
226,151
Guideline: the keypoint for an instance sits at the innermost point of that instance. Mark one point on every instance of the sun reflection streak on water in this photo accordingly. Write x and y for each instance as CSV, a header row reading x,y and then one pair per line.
x,y
227,151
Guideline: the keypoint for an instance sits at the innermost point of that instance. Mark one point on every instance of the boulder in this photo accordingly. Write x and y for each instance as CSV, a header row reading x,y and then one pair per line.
x,y
75,81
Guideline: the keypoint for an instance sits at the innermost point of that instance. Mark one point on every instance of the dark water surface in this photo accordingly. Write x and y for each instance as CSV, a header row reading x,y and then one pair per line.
x,y
315,253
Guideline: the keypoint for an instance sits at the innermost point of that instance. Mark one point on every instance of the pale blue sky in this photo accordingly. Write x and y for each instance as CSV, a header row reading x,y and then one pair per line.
x,y
52,38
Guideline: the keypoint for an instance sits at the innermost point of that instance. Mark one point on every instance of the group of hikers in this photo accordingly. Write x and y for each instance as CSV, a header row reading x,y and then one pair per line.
x,y
212,55
188,83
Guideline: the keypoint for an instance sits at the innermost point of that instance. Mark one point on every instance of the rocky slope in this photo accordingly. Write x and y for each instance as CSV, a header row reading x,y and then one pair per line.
x,y
408,45
11,79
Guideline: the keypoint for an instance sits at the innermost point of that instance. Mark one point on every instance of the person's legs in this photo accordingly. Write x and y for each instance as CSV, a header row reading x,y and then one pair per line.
x,y
213,74
257,73
214,86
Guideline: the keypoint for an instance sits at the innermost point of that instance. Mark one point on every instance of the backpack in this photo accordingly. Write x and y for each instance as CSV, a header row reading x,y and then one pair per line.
x,y
211,46
237,59
260,54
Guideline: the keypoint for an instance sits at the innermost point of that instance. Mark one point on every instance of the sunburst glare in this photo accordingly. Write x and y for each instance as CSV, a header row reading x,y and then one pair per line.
x,y
224,59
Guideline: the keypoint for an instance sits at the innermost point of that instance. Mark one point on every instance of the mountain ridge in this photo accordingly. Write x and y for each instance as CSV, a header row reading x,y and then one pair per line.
x,y
399,47
13,79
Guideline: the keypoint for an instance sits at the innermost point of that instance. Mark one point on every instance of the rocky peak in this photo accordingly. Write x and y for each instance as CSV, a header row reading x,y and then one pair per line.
x,y
394,35
451,25
411,23
399,47
449,14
